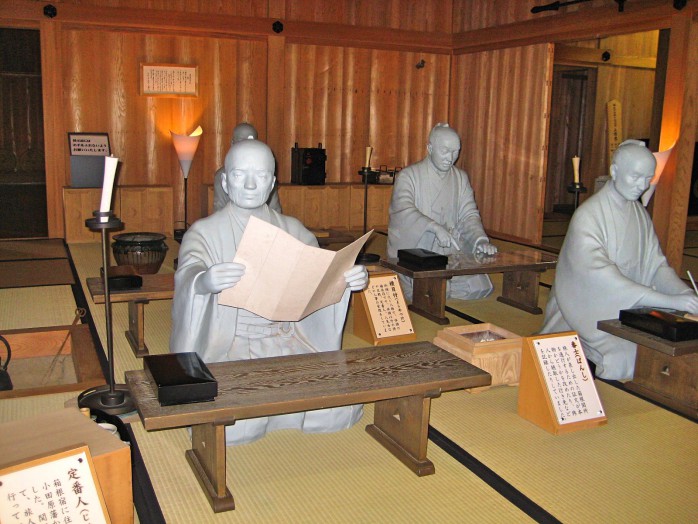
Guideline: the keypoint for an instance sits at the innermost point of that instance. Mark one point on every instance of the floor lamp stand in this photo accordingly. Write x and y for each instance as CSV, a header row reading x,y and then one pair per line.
x,y
366,258
113,399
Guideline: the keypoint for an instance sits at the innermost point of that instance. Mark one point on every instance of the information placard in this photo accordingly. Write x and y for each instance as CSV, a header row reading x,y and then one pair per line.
x,y
556,386
381,316
61,487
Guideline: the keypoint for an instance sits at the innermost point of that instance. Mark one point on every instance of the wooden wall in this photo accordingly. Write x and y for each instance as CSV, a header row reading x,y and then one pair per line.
x,y
503,137
341,73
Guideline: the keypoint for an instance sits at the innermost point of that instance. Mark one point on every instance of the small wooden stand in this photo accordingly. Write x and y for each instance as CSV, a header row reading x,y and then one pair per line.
x,y
486,346
556,387
380,312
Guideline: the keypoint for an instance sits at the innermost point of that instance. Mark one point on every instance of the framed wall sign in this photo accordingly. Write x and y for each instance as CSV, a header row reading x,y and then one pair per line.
x,y
60,486
89,144
169,80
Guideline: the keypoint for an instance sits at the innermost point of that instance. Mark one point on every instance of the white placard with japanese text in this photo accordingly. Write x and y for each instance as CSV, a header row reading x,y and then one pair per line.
x,y
387,307
62,487
568,379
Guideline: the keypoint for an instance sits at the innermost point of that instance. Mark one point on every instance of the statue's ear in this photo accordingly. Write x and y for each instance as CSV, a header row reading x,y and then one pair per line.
x,y
429,148
224,182
614,171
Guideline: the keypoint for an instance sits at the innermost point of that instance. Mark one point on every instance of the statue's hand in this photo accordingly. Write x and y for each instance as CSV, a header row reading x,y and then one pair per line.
x,y
686,302
356,278
219,277
443,237
485,247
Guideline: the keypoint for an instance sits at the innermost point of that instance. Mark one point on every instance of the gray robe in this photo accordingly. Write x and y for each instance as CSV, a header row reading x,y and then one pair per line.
x,y
609,260
214,331
420,197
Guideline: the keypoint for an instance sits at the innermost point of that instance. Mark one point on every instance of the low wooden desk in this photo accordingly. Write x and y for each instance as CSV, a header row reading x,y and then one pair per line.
x,y
155,287
325,237
401,379
665,371
521,269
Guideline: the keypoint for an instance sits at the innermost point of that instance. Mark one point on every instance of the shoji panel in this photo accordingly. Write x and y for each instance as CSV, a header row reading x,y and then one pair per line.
x,y
101,82
348,98
499,107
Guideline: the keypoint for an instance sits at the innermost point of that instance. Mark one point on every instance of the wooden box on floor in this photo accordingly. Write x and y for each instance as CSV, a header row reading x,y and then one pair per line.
x,y
42,435
487,346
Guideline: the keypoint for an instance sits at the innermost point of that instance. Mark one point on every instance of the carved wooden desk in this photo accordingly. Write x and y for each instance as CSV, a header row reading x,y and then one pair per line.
x,y
155,287
521,269
401,379
665,371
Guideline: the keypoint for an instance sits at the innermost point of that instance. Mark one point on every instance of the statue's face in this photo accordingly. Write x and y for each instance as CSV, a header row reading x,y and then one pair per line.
x,y
249,176
632,174
444,149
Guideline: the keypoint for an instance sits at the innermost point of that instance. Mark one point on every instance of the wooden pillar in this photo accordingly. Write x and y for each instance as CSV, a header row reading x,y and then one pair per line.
x,y
54,123
679,115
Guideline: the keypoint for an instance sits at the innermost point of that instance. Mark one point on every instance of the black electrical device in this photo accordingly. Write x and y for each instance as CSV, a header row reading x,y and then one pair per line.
x,y
308,165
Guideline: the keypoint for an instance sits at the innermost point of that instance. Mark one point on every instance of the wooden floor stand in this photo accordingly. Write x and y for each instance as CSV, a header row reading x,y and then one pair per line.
x,y
401,426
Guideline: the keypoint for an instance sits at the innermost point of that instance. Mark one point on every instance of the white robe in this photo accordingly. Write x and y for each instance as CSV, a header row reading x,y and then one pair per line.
x,y
609,260
422,196
200,324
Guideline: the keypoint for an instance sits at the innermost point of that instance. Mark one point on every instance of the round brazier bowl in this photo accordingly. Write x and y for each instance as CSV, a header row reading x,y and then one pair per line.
x,y
144,251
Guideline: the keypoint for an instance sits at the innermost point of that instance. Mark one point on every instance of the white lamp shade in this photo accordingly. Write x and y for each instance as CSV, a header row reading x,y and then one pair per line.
x,y
662,158
185,146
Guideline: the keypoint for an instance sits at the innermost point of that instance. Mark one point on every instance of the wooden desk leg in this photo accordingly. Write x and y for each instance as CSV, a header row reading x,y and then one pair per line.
x,y
401,425
429,298
136,327
207,459
520,290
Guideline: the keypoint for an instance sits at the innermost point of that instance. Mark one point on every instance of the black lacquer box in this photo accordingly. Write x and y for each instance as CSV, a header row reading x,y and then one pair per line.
x,y
665,323
180,378
418,258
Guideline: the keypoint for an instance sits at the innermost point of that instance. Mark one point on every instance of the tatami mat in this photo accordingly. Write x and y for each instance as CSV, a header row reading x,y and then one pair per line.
x,y
289,476
640,467
31,307
32,249
42,272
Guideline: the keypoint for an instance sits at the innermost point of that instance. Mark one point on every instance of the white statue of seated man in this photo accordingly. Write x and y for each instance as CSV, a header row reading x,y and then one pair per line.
x,y
433,207
221,333
242,131
611,260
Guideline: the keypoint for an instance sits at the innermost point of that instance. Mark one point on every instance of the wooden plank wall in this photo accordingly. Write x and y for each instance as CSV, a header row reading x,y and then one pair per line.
x,y
503,138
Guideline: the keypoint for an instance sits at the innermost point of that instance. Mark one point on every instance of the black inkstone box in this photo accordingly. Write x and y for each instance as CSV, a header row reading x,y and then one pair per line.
x,y
418,258
180,378
669,324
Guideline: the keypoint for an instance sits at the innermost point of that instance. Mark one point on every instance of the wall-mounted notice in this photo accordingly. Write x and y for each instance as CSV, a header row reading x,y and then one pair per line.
x,y
61,487
89,144
169,80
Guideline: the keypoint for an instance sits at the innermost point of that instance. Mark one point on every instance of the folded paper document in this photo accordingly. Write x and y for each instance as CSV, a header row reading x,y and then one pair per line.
x,y
285,279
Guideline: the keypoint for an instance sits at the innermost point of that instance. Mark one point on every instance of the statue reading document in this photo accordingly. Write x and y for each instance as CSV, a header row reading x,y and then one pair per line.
x,y
433,207
221,333
611,260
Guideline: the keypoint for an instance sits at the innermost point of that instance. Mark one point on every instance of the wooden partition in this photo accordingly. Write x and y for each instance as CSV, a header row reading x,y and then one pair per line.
x,y
140,208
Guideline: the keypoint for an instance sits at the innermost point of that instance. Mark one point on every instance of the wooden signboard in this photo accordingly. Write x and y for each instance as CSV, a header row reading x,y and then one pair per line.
x,y
614,118
380,312
556,387
61,487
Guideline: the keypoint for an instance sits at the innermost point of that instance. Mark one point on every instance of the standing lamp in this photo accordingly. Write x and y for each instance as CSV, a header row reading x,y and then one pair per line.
x,y
185,146
363,257
113,399
662,158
